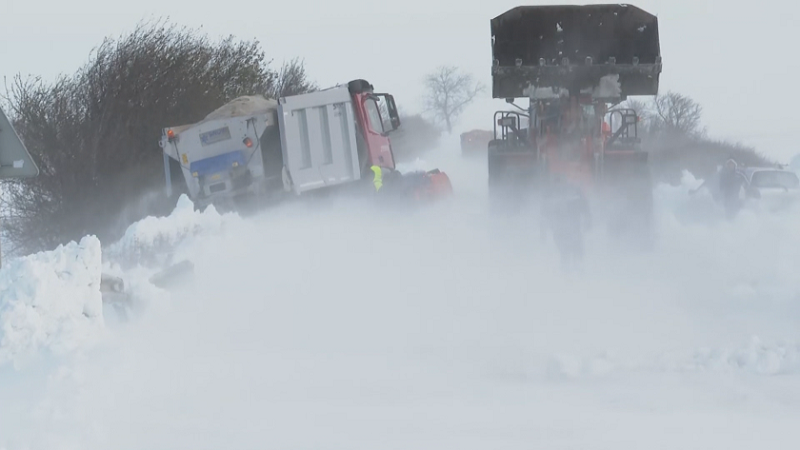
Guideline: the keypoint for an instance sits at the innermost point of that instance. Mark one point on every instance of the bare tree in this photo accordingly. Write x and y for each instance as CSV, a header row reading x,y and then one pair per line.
x,y
448,92
292,80
414,137
671,114
677,114
676,142
644,110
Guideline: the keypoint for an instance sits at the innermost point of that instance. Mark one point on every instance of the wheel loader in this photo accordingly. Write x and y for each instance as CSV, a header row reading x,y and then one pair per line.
x,y
575,65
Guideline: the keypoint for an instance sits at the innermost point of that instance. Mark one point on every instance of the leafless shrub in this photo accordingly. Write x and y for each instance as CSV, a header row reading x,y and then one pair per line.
x,y
448,92
95,134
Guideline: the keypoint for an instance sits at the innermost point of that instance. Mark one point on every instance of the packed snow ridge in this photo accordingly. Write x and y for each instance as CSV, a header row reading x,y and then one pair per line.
x,y
51,302
756,357
154,235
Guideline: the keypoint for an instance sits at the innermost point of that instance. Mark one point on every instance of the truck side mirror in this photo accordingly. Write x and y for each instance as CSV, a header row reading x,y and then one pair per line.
x,y
507,122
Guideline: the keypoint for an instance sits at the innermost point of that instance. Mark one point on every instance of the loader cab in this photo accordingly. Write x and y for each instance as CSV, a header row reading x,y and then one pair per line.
x,y
565,118
508,128
548,117
624,129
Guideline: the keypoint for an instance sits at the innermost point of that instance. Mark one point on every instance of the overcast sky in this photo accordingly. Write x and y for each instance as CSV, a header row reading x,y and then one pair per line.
x,y
735,58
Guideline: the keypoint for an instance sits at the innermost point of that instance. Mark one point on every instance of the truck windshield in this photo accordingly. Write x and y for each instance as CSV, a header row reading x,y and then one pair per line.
x,y
374,115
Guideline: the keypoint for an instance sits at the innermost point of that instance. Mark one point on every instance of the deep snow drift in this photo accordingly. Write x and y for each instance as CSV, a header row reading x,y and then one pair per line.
x,y
339,325
51,301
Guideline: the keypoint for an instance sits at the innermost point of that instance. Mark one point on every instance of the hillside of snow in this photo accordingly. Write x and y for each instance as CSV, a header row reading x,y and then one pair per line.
x,y
344,325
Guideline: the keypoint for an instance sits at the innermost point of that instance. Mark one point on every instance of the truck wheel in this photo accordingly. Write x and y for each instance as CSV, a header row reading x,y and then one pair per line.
x,y
497,183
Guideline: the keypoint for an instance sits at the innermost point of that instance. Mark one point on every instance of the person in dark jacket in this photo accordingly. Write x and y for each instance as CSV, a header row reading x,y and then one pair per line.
x,y
566,213
730,186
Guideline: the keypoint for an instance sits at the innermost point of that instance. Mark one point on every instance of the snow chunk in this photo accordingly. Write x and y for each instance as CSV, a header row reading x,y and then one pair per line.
x,y
757,357
183,221
608,87
545,92
153,235
51,301
564,366
415,166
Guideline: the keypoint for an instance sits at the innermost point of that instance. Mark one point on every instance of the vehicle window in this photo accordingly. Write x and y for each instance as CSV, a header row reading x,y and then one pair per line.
x,y
386,121
374,116
772,179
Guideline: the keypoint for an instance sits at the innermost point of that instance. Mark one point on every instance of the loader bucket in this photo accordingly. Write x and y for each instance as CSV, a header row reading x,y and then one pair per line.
x,y
573,47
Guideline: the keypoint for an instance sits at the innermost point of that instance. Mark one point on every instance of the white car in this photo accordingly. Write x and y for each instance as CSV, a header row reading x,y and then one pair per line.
x,y
771,189
794,164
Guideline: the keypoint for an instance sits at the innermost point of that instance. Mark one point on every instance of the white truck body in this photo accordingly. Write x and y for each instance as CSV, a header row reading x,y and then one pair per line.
x,y
307,141
318,137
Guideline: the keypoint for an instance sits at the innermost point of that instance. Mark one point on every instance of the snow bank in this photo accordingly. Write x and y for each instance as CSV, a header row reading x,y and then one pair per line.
x,y
51,301
756,357
151,236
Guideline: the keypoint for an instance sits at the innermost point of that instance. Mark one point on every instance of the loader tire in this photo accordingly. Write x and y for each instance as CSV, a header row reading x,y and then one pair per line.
x,y
495,175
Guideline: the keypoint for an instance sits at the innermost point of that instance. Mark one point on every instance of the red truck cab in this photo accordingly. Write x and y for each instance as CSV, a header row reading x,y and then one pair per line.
x,y
376,116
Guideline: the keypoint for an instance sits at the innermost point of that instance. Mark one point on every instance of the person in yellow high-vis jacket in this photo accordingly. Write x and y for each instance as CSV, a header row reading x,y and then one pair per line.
x,y
388,182
377,177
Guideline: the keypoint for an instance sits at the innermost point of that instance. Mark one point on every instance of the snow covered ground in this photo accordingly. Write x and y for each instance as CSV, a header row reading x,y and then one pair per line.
x,y
340,326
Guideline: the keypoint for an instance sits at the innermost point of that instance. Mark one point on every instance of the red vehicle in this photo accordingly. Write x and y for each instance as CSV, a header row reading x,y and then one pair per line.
x,y
578,66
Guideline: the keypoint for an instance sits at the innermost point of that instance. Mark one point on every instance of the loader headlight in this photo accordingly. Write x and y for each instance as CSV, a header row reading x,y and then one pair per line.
x,y
248,142
194,174
235,164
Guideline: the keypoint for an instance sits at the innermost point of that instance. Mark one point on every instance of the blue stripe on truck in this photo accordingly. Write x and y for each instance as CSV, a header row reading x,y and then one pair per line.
x,y
217,163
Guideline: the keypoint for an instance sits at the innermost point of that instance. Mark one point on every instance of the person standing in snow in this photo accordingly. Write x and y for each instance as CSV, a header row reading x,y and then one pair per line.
x,y
730,186
565,213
